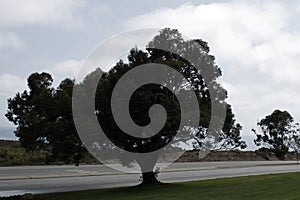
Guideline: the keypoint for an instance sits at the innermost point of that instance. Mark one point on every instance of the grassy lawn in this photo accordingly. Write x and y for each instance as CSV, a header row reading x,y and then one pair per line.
x,y
280,186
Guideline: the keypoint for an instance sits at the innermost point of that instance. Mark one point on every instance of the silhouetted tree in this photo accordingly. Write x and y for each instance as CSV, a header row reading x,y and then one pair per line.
x,y
44,120
30,111
275,132
150,94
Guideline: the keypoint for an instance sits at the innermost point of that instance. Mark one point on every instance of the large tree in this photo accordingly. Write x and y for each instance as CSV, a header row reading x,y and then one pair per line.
x,y
151,94
44,119
277,132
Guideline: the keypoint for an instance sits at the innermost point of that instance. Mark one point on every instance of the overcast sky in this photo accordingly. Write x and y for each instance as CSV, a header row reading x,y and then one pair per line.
x,y
256,44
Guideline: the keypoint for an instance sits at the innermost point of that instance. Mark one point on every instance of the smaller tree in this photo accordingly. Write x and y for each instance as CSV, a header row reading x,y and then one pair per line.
x,y
44,120
29,111
276,130
294,139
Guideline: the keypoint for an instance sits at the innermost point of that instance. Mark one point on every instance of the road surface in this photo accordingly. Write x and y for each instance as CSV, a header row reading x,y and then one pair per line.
x,y
48,179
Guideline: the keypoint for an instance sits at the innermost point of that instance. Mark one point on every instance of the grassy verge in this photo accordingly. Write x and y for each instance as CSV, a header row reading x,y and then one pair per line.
x,y
279,186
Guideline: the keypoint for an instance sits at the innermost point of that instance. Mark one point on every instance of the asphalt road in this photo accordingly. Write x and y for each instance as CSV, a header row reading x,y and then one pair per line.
x,y
48,179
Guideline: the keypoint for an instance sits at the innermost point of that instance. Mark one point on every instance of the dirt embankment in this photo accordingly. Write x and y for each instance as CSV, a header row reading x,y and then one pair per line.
x,y
234,155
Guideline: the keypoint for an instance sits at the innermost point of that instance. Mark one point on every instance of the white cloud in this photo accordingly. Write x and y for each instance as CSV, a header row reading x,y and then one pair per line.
x,y
11,84
18,12
254,46
64,69
242,35
9,40
67,68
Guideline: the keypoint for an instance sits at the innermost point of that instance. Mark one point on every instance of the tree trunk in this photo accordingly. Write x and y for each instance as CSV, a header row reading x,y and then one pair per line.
x,y
147,168
149,177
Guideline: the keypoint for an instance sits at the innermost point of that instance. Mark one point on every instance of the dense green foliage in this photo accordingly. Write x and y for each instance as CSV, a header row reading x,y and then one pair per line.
x,y
18,156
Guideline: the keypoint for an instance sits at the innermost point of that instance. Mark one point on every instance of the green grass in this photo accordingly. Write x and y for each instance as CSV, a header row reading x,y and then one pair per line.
x,y
279,186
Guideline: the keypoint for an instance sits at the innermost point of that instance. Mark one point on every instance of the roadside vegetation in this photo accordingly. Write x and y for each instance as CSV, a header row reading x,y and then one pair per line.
x,y
12,154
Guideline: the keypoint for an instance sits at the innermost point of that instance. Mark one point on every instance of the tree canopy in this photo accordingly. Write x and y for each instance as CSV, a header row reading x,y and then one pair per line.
x,y
277,132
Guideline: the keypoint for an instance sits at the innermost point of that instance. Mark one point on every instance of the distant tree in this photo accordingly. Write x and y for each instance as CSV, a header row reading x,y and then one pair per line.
x,y
293,139
276,130
150,94
44,120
